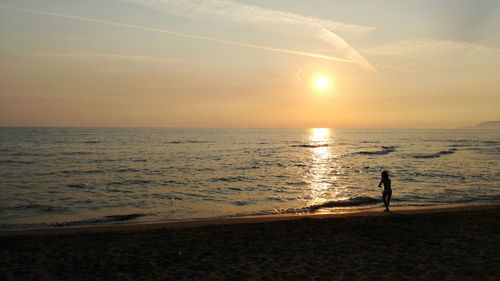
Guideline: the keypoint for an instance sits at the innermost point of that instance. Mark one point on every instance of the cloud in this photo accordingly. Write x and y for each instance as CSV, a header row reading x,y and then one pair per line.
x,y
109,56
184,35
239,12
423,47
337,42
297,75
438,56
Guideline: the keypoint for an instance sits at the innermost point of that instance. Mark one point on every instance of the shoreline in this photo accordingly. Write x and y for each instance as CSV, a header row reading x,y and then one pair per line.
x,y
196,223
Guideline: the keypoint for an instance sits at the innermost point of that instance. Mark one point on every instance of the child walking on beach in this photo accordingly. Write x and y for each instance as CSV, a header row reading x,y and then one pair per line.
x,y
387,193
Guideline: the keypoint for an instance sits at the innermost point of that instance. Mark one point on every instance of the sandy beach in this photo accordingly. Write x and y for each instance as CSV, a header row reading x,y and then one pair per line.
x,y
447,243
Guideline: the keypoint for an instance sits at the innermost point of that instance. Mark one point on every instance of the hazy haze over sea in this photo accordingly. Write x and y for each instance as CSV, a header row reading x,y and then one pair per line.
x,y
73,176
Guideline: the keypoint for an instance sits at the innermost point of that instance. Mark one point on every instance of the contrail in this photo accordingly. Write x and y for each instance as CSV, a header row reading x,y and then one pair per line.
x,y
83,55
240,12
339,43
185,35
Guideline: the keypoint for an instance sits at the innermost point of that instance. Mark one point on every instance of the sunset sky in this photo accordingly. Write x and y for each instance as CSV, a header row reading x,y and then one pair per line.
x,y
242,63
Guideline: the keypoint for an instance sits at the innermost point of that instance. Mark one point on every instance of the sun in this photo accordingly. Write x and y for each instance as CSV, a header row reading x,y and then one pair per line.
x,y
322,83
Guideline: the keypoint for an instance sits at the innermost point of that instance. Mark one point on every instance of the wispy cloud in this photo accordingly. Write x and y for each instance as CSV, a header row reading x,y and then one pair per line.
x,y
339,43
437,56
298,74
184,35
109,56
422,47
239,12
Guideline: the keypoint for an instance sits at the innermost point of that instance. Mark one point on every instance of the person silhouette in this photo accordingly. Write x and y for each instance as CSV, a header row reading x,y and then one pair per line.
x,y
387,193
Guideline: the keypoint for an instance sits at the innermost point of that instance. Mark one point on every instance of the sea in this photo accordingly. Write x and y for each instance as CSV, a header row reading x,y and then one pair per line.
x,y
56,177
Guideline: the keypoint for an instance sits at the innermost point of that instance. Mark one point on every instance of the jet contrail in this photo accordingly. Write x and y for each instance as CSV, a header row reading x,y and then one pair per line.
x,y
83,55
185,35
240,12
339,43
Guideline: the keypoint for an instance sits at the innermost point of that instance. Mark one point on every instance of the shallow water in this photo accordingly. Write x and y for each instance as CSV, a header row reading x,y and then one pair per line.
x,y
63,176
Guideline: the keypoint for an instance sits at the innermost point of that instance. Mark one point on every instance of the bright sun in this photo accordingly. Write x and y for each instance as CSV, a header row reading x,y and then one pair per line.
x,y
322,83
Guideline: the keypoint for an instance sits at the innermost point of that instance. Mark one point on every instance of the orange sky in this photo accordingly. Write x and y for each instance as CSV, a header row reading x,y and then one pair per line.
x,y
248,64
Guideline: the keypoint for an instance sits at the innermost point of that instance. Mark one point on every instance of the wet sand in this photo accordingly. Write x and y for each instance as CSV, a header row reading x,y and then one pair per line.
x,y
451,243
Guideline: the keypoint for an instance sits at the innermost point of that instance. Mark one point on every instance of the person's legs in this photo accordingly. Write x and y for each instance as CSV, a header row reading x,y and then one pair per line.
x,y
384,198
387,199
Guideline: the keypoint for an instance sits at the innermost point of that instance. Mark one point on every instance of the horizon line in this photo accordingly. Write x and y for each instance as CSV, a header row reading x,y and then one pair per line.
x,y
243,127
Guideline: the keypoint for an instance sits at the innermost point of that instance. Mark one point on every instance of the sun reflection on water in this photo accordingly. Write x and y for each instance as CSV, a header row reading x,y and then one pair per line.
x,y
320,175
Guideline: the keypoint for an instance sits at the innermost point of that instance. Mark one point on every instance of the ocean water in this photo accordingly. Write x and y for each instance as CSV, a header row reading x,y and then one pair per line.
x,y
75,176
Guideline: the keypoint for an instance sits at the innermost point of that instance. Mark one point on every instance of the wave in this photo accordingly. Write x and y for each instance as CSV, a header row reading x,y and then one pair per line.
x,y
353,202
311,145
23,162
128,182
461,145
80,172
76,185
76,153
39,208
16,153
240,203
170,182
230,179
171,197
487,150
437,154
125,170
186,141
441,175
299,183
105,219
385,150
276,199
91,142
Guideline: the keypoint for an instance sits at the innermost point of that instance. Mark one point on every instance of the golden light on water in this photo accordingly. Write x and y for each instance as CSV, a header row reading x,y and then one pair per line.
x,y
320,135
320,172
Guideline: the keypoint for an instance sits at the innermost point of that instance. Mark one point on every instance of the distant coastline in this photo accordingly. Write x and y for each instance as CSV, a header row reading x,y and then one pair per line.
x,y
492,125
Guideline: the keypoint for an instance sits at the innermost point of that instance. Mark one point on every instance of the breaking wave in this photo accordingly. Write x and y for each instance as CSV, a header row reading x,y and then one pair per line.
x,y
186,141
353,202
311,145
76,185
40,208
230,179
105,219
385,150
437,154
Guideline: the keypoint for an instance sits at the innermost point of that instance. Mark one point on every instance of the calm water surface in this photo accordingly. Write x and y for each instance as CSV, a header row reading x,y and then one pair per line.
x,y
58,176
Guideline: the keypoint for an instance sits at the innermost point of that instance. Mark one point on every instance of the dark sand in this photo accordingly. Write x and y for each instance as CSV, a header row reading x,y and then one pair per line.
x,y
422,244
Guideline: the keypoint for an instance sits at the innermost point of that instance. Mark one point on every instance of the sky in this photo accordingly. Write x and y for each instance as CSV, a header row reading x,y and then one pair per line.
x,y
249,63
